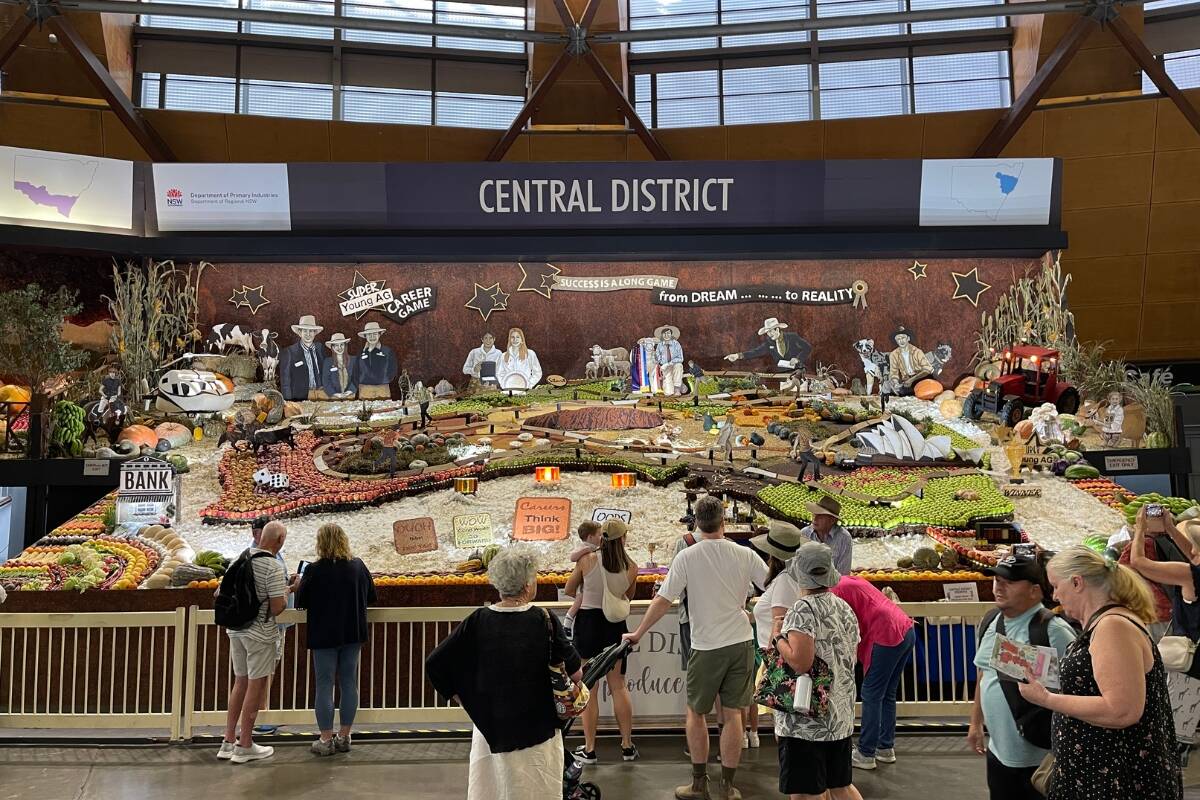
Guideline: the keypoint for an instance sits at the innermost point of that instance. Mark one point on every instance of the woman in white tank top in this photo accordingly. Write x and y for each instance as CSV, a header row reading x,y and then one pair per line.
x,y
612,570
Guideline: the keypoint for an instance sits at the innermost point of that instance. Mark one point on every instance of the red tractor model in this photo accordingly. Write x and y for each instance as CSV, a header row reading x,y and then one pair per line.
x,y
1028,378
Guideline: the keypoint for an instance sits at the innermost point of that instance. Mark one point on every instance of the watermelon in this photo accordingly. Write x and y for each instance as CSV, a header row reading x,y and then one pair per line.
x,y
1080,472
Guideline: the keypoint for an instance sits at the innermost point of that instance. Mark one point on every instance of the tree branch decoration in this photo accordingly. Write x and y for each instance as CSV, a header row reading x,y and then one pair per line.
x,y
154,308
31,345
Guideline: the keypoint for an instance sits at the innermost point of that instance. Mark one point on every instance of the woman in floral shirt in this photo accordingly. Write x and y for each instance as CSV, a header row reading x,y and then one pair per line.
x,y
815,751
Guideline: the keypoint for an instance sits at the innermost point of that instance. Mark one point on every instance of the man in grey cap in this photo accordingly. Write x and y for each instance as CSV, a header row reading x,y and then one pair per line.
x,y
1018,732
826,530
815,751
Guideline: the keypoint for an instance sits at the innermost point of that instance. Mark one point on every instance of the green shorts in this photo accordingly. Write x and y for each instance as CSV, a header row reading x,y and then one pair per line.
x,y
727,672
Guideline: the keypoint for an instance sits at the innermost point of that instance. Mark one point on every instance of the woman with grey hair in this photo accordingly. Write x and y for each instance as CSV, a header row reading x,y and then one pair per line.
x,y
496,665
815,749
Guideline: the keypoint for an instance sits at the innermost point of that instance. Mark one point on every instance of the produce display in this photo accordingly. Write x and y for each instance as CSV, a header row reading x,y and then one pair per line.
x,y
1104,490
937,504
1178,506
79,564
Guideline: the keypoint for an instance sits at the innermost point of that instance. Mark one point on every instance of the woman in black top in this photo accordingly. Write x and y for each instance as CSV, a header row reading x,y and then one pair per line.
x,y
496,664
336,590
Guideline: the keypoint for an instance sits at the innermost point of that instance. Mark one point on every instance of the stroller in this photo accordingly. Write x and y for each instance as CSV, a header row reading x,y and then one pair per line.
x,y
597,668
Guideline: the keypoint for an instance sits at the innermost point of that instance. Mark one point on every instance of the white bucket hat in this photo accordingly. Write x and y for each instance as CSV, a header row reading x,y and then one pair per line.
x,y
307,323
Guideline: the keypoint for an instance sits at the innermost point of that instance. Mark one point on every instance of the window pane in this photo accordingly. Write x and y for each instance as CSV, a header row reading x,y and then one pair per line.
x,y
193,23
464,110
200,93
674,85
778,108
399,10
961,81
839,8
296,6
955,24
864,88
406,106
279,99
688,113
1184,68
851,74
150,85
736,12
645,14
961,95
484,16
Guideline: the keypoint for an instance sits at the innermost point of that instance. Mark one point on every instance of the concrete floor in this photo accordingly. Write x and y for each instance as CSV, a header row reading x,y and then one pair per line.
x,y
938,765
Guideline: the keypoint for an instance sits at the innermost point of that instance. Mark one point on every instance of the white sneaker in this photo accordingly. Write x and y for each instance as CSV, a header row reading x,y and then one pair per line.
x,y
745,740
860,761
255,752
887,756
226,751
752,739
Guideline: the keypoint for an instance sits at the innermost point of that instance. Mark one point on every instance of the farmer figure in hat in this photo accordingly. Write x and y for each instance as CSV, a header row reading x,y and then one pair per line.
x,y
788,350
668,355
826,530
906,364
340,373
802,453
377,365
301,363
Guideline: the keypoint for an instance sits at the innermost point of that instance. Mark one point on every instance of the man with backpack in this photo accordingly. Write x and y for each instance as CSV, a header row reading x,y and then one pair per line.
x,y
253,592
1018,732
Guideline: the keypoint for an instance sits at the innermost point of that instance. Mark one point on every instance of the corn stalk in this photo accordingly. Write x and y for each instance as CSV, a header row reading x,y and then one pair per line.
x,y
1153,391
154,308
1033,311
1093,375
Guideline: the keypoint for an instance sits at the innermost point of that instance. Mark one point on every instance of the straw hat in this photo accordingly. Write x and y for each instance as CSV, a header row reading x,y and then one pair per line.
x,y
372,327
771,324
307,323
826,505
781,540
338,338
658,332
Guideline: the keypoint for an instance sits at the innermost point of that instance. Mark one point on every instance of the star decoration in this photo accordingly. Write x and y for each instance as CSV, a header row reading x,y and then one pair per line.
x,y
250,297
538,279
488,299
255,299
918,270
358,283
968,286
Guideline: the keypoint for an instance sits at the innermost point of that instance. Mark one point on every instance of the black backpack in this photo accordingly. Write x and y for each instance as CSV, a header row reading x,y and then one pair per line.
x,y
1166,551
1033,721
237,603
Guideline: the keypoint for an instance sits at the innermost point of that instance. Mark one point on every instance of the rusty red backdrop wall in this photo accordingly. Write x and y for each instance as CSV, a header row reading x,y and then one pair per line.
x,y
562,329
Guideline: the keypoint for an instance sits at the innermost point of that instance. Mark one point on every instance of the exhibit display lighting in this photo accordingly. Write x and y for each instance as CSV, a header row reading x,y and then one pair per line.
x,y
624,480
467,485
546,474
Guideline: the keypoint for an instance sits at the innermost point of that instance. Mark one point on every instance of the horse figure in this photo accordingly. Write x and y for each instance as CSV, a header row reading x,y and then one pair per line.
x,y
110,421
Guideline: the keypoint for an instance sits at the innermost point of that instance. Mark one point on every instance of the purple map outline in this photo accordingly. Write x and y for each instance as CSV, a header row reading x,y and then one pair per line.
x,y
62,203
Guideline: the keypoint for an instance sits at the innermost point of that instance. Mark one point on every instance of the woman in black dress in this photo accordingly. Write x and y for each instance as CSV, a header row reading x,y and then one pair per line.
x,y
1113,736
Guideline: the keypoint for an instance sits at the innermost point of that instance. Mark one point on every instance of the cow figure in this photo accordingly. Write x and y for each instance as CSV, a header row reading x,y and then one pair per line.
x,y
225,335
268,354
265,437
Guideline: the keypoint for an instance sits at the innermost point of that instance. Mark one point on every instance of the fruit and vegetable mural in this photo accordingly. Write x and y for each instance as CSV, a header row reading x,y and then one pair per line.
x,y
930,418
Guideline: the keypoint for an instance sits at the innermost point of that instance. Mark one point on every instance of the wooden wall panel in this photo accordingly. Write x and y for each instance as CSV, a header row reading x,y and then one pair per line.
x,y
460,144
273,139
1171,325
118,142
956,135
1107,181
695,144
1173,276
1099,232
68,130
786,141
1175,228
352,141
193,135
1177,176
577,147
1116,324
1029,141
880,137
1101,281
1100,130
1174,132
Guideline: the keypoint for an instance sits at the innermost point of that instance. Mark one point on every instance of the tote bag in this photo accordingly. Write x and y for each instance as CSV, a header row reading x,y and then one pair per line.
x,y
570,699
614,604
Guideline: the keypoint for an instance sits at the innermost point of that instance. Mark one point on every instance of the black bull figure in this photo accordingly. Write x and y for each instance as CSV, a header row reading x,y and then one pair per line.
x,y
258,438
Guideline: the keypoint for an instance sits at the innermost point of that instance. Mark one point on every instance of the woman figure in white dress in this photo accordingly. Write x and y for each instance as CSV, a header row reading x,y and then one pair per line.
x,y
518,367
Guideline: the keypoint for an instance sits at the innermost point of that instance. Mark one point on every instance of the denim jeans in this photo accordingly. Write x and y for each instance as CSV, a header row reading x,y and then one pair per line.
x,y
879,695
342,661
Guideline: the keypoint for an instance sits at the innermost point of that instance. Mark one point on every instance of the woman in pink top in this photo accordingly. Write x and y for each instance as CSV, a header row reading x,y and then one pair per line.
x,y
886,640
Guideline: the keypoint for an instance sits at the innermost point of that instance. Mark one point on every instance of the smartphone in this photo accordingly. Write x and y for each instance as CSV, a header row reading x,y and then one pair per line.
x,y
303,565
1025,549
1154,510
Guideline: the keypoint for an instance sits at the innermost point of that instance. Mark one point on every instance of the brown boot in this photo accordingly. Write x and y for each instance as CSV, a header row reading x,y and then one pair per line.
x,y
726,791
696,790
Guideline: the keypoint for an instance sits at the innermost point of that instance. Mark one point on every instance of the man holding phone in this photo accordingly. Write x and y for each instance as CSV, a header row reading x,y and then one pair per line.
x,y
1158,546
256,529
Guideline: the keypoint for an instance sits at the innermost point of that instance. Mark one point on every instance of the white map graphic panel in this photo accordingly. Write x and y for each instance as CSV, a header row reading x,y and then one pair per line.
x,y
65,190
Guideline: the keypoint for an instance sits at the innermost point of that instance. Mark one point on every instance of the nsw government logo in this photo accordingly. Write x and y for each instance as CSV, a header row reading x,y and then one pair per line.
x,y
174,197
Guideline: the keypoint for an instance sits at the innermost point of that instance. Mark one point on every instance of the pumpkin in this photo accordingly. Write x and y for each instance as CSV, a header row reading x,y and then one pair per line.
x,y
178,435
951,408
927,389
11,393
139,435
966,386
1023,429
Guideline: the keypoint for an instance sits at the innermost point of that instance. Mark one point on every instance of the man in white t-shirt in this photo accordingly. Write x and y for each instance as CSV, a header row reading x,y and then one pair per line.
x,y
717,572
